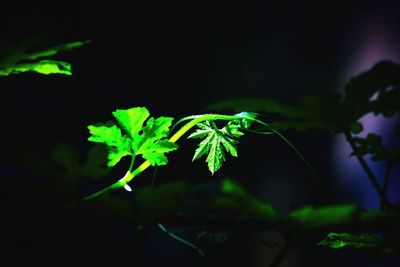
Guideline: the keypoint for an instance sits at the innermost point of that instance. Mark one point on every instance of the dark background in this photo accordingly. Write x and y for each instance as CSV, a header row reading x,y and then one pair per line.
x,y
176,59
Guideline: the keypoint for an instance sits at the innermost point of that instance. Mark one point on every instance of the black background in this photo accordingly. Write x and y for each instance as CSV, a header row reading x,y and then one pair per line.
x,y
175,59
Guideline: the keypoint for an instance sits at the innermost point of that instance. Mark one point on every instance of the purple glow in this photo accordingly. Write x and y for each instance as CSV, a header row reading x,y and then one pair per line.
x,y
374,42
349,171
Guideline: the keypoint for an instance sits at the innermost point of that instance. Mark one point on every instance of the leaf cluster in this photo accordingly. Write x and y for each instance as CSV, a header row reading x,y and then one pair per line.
x,y
372,145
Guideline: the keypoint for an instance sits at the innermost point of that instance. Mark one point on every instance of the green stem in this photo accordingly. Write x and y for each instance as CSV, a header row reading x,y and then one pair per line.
x,y
115,185
174,236
193,121
294,149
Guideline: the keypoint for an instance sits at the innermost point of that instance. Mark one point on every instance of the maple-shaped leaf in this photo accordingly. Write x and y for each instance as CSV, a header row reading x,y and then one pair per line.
x,y
133,137
215,142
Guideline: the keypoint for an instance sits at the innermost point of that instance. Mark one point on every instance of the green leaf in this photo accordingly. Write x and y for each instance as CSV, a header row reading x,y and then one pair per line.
x,y
310,217
22,62
204,146
150,143
131,120
44,67
201,132
119,145
339,240
54,50
215,154
155,155
135,138
215,142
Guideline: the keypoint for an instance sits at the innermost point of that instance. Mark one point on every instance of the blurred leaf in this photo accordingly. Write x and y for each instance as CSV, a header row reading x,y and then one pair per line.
x,y
22,61
67,158
332,112
153,203
356,127
310,217
372,144
96,164
43,67
339,240
234,200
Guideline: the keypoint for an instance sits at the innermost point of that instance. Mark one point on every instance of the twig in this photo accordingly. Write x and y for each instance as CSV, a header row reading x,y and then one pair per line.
x,y
370,175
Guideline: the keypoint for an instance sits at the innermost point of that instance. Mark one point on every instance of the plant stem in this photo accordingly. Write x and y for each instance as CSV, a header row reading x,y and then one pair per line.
x,y
194,120
295,150
180,239
114,185
370,175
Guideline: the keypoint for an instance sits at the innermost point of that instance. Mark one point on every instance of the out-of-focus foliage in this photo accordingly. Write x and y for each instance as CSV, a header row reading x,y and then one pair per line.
x,y
376,90
339,240
95,166
372,145
144,205
233,199
310,217
21,61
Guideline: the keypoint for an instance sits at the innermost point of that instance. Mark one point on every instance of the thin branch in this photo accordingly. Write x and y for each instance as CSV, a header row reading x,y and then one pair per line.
x,y
181,240
370,175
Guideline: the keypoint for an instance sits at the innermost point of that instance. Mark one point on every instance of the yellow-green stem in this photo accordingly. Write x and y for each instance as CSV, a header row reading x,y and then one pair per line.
x,y
194,120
